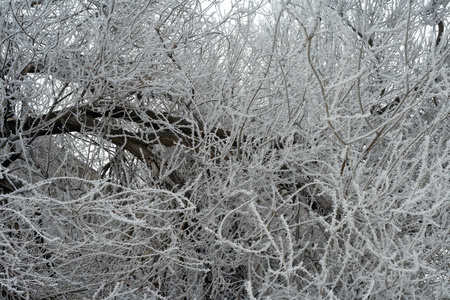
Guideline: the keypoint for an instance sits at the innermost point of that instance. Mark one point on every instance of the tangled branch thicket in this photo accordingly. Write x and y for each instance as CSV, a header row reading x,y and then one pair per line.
x,y
179,150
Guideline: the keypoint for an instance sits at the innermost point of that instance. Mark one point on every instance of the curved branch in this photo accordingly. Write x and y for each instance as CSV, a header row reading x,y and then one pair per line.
x,y
161,129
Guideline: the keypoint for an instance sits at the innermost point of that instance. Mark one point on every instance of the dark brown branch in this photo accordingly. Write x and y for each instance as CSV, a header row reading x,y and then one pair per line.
x,y
32,68
8,185
379,110
440,32
158,128
35,2
361,35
